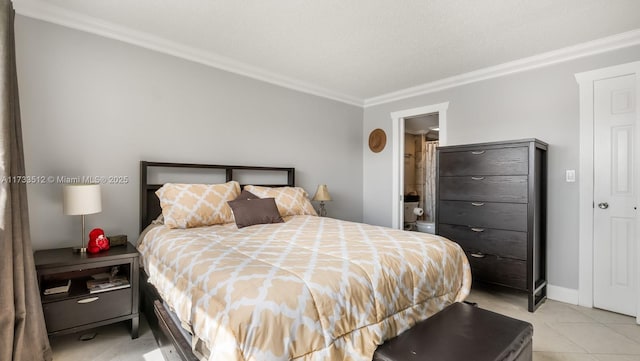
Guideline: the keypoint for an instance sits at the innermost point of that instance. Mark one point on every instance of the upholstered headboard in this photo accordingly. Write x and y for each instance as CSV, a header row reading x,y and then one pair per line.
x,y
150,180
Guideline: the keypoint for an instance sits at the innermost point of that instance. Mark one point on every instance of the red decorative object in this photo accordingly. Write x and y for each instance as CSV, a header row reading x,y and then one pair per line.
x,y
97,241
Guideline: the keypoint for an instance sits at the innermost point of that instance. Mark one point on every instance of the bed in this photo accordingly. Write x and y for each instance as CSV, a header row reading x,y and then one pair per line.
x,y
308,288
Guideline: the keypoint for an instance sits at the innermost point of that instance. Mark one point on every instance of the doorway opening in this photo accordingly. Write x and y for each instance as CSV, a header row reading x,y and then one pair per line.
x,y
421,138
403,123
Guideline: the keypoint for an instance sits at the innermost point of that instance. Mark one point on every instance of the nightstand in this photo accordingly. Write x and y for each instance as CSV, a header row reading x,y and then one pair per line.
x,y
79,309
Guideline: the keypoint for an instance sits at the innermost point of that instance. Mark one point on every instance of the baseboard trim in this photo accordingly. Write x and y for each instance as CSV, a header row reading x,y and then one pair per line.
x,y
562,294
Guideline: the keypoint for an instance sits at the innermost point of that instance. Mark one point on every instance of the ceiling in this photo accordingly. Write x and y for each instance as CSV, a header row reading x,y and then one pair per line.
x,y
421,124
355,50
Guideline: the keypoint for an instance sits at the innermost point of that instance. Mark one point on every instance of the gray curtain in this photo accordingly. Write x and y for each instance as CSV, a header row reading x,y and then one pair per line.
x,y
23,336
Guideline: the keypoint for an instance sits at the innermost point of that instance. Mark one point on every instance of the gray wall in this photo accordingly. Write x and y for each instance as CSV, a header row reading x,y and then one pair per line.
x,y
95,106
541,103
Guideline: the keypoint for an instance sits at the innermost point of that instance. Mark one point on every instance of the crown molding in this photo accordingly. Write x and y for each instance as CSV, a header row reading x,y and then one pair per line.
x,y
598,46
54,14
41,10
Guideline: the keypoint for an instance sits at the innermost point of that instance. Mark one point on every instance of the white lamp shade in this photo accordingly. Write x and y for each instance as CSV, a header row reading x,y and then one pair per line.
x,y
322,194
81,199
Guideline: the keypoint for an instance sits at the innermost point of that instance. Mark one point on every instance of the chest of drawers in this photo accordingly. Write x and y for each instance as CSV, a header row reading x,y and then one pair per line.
x,y
491,199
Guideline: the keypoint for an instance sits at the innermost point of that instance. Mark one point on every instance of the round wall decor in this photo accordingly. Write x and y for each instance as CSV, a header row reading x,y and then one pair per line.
x,y
377,140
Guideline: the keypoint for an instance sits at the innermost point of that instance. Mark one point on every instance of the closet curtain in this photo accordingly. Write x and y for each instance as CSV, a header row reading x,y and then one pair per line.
x,y
23,336
429,189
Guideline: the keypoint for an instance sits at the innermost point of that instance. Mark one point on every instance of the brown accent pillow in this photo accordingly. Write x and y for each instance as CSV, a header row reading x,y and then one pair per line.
x,y
245,194
248,212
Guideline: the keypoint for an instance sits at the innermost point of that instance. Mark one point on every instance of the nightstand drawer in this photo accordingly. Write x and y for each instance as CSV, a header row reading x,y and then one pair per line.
x,y
511,189
83,310
498,161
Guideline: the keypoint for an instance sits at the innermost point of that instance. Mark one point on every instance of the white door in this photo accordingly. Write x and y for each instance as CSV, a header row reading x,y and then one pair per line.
x,y
615,195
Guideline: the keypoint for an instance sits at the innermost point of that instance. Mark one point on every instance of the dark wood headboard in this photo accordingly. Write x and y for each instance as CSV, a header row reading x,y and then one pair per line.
x,y
150,204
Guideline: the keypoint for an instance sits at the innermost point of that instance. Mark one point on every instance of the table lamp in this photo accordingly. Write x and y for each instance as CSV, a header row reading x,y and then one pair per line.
x,y
81,199
322,195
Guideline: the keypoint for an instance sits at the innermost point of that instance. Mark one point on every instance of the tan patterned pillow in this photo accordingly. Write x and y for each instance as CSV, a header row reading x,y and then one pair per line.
x,y
291,201
197,205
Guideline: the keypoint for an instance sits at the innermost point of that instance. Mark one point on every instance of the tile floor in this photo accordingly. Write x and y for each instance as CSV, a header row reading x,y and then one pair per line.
x,y
112,343
562,332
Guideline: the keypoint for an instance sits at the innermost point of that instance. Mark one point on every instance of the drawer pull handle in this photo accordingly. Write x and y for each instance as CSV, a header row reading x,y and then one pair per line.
x,y
478,255
477,152
477,229
477,204
88,300
477,178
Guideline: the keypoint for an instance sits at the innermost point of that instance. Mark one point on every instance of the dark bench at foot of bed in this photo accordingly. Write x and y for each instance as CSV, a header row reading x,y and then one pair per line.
x,y
461,332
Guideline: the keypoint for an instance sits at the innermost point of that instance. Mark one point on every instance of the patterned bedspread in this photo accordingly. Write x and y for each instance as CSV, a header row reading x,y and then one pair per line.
x,y
312,288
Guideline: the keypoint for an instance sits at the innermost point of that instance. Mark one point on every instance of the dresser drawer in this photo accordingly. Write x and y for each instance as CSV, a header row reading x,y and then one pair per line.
x,y
508,216
484,188
494,269
498,242
498,161
74,312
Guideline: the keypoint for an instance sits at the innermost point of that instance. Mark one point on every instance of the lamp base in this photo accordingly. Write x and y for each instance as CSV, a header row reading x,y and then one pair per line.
x,y
323,211
82,249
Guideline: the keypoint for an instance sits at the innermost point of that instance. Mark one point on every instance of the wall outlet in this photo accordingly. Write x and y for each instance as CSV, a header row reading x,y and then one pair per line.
x,y
571,175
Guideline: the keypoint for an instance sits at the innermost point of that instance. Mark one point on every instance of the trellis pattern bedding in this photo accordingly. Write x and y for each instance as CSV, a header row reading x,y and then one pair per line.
x,y
311,288
197,205
291,201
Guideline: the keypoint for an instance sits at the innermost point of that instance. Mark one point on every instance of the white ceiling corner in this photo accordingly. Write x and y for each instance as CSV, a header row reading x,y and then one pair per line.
x,y
359,53
610,43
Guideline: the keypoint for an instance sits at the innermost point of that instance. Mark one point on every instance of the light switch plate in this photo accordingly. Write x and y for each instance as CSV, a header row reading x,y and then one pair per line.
x,y
571,175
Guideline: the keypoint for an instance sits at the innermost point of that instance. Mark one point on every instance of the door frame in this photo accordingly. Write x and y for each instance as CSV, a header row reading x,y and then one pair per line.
x,y
397,154
586,206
